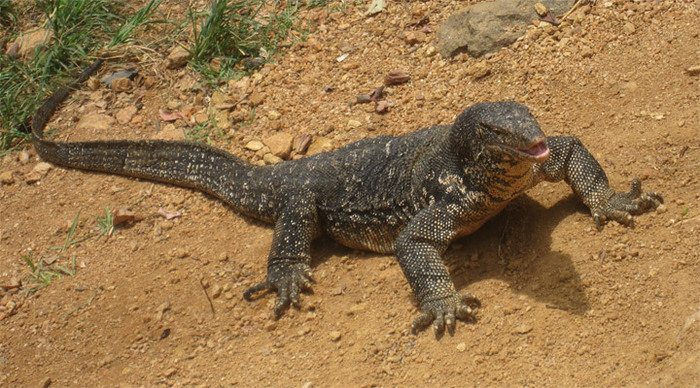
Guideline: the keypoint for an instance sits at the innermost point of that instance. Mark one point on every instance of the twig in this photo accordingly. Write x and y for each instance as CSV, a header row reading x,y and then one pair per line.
x,y
211,304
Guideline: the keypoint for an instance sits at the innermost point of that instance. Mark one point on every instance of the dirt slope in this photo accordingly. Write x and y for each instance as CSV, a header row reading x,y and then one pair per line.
x,y
562,303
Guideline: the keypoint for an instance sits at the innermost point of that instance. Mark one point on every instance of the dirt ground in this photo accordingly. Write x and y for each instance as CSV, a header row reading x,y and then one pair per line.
x,y
563,304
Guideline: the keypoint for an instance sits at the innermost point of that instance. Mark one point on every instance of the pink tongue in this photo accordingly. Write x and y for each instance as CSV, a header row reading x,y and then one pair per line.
x,y
537,150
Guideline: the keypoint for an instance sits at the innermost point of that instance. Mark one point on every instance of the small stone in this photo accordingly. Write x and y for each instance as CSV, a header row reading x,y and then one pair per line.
x,y
216,291
335,336
32,177
352,123
269,158
541,9
97,121
254,145
693,70
307,384
280,144
221,119
629,28
318,145
218,98
45,382
6,178
273,115
462,346
478,70
125,115
121,84
26,45
414,37
661,209
42,168
201,118
256,99
23,157
177,58
523,329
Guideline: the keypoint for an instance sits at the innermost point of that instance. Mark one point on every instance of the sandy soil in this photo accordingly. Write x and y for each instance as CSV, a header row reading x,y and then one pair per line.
x,y
563,304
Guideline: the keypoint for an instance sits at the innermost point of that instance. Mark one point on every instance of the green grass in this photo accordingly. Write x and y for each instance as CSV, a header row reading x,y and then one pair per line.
x,y
70,240
233,30
42,274
8,15
79,27
105,223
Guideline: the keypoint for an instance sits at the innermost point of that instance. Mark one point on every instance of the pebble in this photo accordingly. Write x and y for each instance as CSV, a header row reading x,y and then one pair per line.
x,y
280,144
273,115
629,28
23,157
335,336
462,346
478,70
523,329
661,209
6,178
45,382
177,58
693,70
541,9
216,291
352,123
269,158
125,115
121,85
254,145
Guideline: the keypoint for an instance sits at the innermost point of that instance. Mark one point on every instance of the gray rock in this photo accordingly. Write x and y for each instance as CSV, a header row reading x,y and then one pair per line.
x,y
487,26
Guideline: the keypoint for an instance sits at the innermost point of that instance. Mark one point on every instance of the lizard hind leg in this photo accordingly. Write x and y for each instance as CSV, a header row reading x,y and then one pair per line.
x,y
288,266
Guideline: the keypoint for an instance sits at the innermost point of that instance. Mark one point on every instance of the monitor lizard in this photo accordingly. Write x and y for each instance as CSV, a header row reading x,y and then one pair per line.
x,y
409,195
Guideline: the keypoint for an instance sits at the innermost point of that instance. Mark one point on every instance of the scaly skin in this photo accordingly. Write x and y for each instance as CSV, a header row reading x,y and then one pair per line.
x,y
408,195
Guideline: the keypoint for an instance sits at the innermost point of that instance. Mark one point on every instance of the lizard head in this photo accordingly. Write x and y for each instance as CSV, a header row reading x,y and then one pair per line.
x,y
506,128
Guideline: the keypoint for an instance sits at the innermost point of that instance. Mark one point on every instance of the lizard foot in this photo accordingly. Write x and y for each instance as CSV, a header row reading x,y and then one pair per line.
x,y
621,207
444,312
289,280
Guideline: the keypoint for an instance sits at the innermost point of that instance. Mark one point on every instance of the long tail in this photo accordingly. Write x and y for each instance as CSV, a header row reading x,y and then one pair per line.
x,y
181,163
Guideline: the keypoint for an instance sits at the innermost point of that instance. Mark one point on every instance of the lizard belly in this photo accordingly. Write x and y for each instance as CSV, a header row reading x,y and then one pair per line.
x,y
365,230
471,226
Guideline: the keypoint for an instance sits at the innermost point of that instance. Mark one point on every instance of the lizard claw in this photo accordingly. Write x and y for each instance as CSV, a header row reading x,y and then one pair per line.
x,y
444,312
288,280
621,207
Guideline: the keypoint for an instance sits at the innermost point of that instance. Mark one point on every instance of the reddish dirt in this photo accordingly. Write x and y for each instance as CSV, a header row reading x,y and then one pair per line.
x,y
563,304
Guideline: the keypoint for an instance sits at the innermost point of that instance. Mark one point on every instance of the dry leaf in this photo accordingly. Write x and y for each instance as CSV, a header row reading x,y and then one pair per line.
x,y
396,77
168,116
169,215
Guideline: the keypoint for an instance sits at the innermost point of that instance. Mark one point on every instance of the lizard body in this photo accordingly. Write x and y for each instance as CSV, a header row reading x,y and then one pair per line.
x,y
408,195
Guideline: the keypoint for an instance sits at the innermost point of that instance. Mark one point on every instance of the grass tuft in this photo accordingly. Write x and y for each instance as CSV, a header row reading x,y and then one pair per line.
x,y
78,27
105,223
236,30
8,15
43,275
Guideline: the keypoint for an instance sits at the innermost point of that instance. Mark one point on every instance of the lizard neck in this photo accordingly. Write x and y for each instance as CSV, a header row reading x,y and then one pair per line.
x,y
503,176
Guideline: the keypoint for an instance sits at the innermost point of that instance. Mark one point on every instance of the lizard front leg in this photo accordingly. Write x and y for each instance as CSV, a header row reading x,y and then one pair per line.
x,y
572,162
419,248
288,265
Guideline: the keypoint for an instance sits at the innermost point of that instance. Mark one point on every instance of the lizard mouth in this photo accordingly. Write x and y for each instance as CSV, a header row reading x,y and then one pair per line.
x,y
538,152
